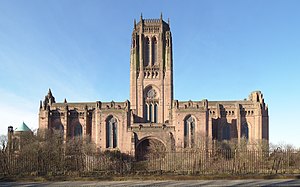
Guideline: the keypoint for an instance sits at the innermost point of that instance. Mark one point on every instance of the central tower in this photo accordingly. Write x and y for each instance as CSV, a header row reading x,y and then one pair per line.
x,y
151,71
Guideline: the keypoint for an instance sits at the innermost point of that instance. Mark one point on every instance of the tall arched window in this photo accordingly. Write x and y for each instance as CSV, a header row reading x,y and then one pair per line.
x,y
189,132
151,105
154,50
147,111
78,130
146,51
150,112
186,135
226,132
245,131
60,129
155,113
115,133
111,132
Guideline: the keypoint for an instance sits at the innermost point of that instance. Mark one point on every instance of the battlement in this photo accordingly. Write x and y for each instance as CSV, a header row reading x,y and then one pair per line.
x,y
151,20
74,106
92,105
190,104
152,25
114,105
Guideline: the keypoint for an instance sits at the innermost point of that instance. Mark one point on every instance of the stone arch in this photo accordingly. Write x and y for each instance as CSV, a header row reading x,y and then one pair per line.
x,y
190,115
189,131
149,87
111,131
148,147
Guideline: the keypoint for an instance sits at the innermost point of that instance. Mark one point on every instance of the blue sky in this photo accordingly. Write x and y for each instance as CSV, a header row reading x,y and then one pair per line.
x,y
223,50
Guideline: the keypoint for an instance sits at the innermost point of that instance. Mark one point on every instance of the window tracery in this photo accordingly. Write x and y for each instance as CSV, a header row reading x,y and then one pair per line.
x,y
151,106
151,94
189,132
111,132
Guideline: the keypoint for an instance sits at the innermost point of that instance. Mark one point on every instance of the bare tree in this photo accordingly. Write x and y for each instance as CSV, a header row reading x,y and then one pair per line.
x,y
3,142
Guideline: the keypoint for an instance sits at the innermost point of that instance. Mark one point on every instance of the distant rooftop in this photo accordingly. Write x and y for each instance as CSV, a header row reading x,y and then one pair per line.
x,y
22,128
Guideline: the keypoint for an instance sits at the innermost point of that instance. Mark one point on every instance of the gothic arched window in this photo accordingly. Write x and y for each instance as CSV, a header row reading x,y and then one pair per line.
x,y
78,130
154,50
245,131
189,132
60,129
147,111
226,132
155,113
150,112
151,105
146,51
111,132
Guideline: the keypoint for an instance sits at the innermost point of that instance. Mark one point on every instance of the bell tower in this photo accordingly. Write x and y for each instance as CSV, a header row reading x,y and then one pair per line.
x,y
151,71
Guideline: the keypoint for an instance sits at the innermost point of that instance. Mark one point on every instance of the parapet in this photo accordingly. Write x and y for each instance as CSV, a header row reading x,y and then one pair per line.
x,y
256,96
114,105
190,104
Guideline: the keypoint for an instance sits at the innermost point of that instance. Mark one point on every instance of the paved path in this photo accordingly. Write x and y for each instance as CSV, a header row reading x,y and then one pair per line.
x,y
273,182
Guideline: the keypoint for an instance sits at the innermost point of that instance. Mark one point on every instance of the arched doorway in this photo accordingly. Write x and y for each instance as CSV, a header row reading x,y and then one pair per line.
x,y
148,148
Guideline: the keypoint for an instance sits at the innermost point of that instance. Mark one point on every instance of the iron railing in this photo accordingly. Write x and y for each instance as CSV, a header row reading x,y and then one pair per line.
x,y
183,162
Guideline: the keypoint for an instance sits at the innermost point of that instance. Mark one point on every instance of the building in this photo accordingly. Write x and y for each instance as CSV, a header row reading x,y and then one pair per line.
x,y
18,138
152,114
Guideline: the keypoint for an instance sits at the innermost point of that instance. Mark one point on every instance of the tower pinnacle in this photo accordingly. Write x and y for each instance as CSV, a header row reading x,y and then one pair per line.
x,y
49,92
134,23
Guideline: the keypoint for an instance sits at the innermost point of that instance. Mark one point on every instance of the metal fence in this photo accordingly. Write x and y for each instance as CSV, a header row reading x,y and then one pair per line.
x,y
184,162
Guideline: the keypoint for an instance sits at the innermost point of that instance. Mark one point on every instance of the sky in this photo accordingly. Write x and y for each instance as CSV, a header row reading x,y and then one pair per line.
x,y
222,50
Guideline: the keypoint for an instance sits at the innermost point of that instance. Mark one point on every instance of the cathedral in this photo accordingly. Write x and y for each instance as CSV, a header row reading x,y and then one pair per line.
x,y
152,114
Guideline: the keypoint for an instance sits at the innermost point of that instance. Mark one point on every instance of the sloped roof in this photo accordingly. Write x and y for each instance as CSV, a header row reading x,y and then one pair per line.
x,y
23,127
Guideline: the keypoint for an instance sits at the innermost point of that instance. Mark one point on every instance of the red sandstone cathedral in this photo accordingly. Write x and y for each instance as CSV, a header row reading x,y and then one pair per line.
x,y
152,114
